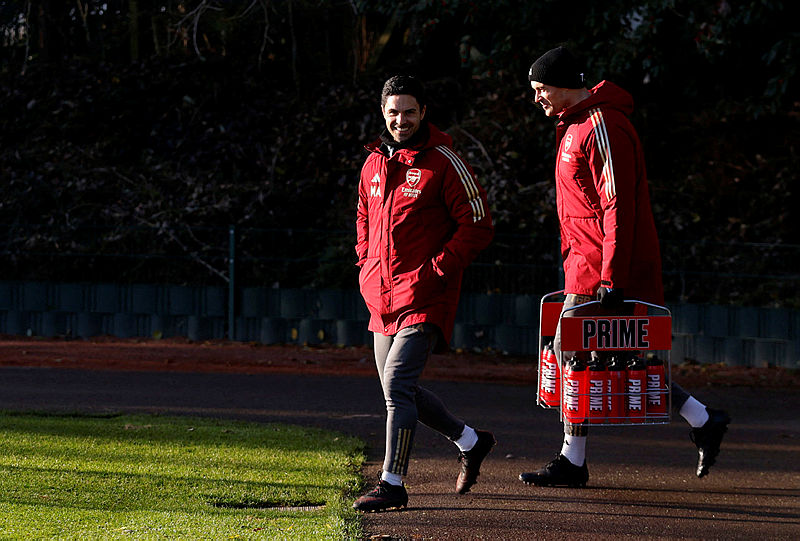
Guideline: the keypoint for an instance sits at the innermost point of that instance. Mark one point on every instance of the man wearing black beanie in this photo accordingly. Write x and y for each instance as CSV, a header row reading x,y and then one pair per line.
x,y
608,237
557,67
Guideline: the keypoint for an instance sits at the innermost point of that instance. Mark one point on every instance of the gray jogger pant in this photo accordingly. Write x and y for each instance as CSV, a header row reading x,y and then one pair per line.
x,y
679,394
400,359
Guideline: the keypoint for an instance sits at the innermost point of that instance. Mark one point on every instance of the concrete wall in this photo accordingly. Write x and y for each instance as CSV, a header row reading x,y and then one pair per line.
x,y
507,323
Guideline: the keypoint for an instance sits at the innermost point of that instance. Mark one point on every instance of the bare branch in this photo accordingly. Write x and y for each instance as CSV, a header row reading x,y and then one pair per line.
x,y
192,19
266,38
83,11
478,143
193,254
245,12
27,38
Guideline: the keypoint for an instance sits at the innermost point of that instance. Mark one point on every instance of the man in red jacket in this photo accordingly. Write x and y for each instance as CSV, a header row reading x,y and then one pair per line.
x,y
608,236
422,218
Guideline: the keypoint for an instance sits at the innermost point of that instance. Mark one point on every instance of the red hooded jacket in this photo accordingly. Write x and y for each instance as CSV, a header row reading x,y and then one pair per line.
x,y
422,218
608,235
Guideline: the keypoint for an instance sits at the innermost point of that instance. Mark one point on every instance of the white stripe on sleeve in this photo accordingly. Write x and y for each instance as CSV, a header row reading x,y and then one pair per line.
x,y
604,146
473,194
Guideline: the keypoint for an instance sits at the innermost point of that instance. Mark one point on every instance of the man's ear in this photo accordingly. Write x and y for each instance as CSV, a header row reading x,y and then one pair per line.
x,y
422,112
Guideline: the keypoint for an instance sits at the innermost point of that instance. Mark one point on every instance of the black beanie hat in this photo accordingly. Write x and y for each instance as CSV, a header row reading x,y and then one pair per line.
x,y
557,67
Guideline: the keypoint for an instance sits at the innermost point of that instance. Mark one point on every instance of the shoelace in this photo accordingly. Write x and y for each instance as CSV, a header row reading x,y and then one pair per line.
x,y
380,488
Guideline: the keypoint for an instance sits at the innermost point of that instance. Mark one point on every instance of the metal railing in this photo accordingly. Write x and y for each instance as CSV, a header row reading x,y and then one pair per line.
x,y
721,273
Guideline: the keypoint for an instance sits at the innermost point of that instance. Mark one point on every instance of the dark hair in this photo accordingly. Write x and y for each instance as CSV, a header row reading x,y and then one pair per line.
x,y
403,84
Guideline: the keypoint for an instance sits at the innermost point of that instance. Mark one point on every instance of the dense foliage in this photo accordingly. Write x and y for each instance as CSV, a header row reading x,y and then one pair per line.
x,y
149,127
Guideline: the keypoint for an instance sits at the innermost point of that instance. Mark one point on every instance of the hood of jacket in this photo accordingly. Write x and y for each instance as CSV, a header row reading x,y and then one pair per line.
x,y
606,95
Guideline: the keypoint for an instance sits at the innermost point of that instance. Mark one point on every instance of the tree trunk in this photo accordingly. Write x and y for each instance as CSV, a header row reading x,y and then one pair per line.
x,y
51,15
133,14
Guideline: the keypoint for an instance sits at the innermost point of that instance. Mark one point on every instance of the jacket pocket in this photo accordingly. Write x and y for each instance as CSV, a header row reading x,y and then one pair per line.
x,y
417,288
369,282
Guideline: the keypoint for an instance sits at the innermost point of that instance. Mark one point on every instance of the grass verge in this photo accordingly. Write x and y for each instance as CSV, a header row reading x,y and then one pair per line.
x,y
151,477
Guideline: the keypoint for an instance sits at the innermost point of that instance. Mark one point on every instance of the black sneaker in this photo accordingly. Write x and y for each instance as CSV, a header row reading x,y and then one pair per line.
x,y
471,461
707,438
559,472
383,497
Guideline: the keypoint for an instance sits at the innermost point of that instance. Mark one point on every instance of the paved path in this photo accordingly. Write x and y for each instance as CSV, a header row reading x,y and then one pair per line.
x,y
641,486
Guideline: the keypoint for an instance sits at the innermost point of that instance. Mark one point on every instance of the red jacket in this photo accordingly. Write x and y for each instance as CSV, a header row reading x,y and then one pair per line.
x,y
608,235
422,218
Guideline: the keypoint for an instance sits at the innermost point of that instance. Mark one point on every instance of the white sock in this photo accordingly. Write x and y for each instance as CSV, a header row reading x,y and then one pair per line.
x,y
694,412
392,478
574,449
467,440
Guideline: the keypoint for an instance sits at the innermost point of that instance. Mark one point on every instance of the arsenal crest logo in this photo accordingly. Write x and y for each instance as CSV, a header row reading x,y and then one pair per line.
x,y
567,142
413,176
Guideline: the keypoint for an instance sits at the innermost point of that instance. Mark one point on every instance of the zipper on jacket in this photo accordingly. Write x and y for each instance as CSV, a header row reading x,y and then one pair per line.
x,y
390,206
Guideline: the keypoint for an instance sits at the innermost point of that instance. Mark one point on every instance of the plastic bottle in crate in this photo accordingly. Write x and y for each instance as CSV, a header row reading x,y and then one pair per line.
x,y
549,378
636,390
575,394
656,388
617,378
597,382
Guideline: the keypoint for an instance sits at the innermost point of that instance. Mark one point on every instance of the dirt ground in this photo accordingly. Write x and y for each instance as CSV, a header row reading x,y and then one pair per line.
x,y
642,491
181,355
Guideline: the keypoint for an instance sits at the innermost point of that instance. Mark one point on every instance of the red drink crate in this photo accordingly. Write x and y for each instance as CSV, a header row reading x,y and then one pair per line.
x,y
627,384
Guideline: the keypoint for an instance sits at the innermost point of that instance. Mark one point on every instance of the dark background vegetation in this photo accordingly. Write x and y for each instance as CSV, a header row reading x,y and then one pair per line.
x,y
136,132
